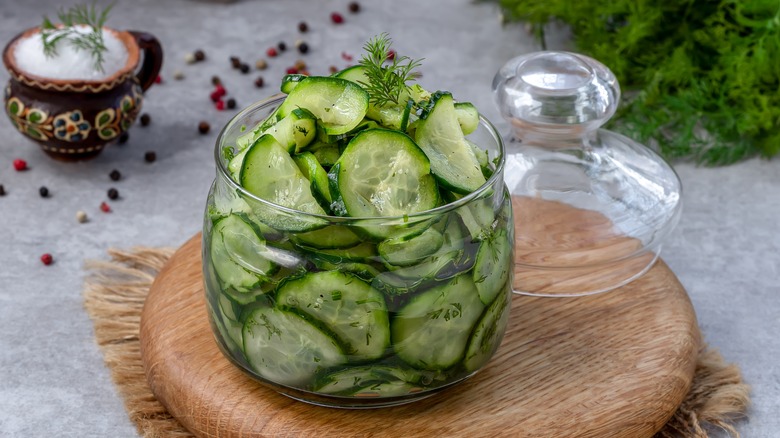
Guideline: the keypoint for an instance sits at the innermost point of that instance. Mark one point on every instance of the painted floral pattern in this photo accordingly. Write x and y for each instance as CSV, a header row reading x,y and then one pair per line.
x,y
110,122
33,122
71,126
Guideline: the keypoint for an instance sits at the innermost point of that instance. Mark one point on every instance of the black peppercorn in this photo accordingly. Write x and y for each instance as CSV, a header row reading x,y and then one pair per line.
x,y
2,190
123,137
44,192
115,175
231,103
303,48
113,194
199,55
244,68
145,119
204,127
150,156
215,80
354,7
259,82
282,46
235,62
303,27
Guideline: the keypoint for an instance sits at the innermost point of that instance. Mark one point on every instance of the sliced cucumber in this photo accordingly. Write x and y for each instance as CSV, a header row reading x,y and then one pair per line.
x,y
488,332
403,251
346,306
332,236
340,105
432,330
270,173
452,160
372,380
493,265
249,137
313,171
237,254
450,260
327,154
286,349
295,131
364,271
482,156
291,81
363,252
468,117
384,173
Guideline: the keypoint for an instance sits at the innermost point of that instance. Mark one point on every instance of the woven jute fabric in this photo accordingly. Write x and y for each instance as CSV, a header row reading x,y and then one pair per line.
x,y
114,295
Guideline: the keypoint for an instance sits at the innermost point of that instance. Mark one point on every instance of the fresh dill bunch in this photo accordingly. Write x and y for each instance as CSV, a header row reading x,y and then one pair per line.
x,y
387,72
701,76
79,15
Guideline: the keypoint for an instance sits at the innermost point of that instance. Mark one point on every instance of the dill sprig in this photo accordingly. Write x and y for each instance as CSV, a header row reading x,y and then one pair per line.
x,y
79,15
387,72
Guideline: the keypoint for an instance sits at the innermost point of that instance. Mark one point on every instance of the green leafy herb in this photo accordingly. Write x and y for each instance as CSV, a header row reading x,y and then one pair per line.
x,y
387,72
701,77
71,19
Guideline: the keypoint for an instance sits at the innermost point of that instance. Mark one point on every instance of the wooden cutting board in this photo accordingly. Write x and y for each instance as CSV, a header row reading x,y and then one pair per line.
x,y
609,365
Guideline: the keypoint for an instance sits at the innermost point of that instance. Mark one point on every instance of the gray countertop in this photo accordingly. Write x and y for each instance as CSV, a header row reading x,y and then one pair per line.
x,y
54,383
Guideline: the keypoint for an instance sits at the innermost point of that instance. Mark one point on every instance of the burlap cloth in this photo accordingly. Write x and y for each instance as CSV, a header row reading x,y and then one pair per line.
x,y
114,296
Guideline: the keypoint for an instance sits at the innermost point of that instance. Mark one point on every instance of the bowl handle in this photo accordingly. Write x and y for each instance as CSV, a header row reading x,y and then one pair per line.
x,y
153,57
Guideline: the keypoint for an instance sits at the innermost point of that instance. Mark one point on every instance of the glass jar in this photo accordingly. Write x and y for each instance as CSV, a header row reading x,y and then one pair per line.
x,y
357,312
592,207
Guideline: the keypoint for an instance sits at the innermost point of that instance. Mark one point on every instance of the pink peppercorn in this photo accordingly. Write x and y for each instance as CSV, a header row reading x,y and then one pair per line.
x,y
271,52
220,105
20,165
292,70
47,259
105,208
391,55
336,18
158,79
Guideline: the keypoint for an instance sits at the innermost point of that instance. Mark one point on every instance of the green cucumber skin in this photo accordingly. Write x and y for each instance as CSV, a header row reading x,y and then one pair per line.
x,y
432,330
438,134
344,305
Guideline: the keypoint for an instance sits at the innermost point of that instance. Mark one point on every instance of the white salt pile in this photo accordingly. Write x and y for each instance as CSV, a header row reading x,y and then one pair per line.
x,y
69,63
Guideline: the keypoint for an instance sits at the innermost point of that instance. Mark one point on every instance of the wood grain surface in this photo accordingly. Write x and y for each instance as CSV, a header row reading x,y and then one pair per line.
x,y
609,365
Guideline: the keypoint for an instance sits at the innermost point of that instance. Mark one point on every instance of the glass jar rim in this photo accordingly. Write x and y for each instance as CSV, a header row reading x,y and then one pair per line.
x,y
223,172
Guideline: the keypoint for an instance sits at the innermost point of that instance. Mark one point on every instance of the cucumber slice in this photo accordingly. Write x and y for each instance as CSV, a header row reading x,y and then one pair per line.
x,y
229,331
249,137
468,117
389,116
313,171
384,173
327,154
450,260
350,308
364,271
364,252
452,159
488,332
236,254
482,156
404,251
340,105
270,173
431,331
286,349
295,131
373,380
493,265
332,236
291,81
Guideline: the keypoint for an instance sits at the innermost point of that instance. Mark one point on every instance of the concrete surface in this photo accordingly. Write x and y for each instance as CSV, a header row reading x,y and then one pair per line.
x,y
54,382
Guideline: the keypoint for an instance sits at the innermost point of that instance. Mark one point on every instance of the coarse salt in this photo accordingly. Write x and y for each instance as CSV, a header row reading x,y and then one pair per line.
x,y
69,63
